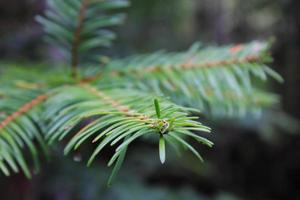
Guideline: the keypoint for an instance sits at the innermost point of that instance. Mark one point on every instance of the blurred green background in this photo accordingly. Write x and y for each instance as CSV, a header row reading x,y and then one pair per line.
x,y
252,159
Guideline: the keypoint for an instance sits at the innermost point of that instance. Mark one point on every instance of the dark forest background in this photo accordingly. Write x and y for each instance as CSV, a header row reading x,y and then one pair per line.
x,y
250,160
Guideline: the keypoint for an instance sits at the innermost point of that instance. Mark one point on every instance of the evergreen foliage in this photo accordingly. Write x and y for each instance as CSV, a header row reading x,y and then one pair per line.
x,y
155,96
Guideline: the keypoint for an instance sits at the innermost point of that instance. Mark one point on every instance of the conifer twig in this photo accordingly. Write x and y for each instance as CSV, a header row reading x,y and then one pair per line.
x,y
76,40
25,108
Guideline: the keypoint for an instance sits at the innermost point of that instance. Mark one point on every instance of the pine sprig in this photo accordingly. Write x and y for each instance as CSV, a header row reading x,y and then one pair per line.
x,y
119,117
126,99
24,109
18,131
76,37
217,80
79,27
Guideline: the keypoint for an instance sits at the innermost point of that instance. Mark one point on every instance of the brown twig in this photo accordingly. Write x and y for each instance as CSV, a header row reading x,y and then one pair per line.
x,y
208,64
116,104
25,108
76,40
90,79
189,64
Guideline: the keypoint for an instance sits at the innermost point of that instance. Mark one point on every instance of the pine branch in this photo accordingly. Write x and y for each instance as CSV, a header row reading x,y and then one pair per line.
x,y
76,40
24,109
125,104
85,35
20,130
187,64
190,64
213,79
114,103
122,108
25,90
119,118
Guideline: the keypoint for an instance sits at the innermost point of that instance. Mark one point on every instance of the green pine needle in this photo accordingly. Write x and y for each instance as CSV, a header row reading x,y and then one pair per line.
x,y
162,149
157,108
